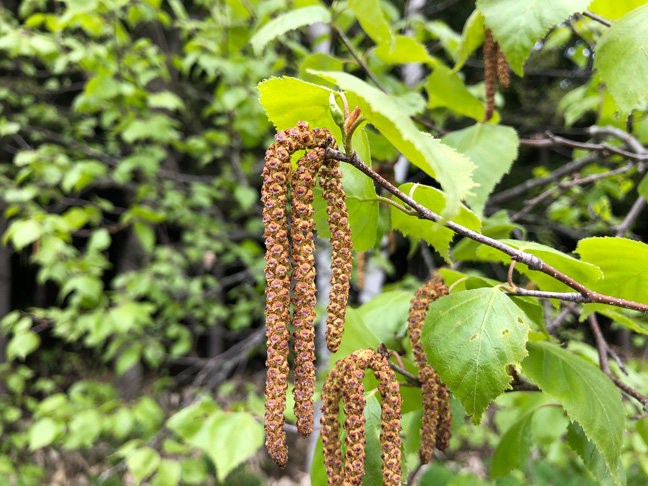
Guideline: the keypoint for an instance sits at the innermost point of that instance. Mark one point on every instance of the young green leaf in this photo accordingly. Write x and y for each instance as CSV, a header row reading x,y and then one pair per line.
x,y
143,462
492,148
433,233
372,21
357,335
451,169
588,396
286,22
388,313
470,338
514,446
289,100
593,459
613,9
518,24
579,270
43,432
446,89
624,264
472,36
642,189
622,60
406,49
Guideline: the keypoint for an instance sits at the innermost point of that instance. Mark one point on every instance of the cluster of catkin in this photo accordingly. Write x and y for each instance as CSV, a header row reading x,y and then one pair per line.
x,y
495,67
290,263
344,382
437,419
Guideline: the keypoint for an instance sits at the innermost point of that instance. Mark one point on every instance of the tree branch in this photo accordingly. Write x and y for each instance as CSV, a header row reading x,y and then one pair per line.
x,y
584,294
603,347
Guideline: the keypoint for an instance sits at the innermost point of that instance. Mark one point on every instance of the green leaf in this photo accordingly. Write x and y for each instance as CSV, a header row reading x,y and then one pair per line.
x,y
579,270
83,430
492,148
22,344
146,236
613,9
372,20
143,462
451,169
357,335
289,100
447,89
513,449
472,36
622,60
388,312
322,62
624,264
433,233
23,233
286,22
593,459
588,396
471,338
169,473
642,189
518,24
223,430
43,433
406,49
127,359
165,99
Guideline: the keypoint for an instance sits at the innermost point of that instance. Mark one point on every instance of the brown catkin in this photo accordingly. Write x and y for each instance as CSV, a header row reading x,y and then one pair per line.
x,y
303,277
490,73
345,381
341,259
433,401
274,192
502,68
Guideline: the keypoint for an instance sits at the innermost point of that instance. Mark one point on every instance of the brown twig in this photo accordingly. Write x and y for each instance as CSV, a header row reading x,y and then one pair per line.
x,y
531,203
584,294
603,347
598,18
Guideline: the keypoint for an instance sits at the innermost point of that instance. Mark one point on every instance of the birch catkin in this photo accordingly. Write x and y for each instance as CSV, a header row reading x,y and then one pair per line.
x,y
341,258
276,174
345,382
436,408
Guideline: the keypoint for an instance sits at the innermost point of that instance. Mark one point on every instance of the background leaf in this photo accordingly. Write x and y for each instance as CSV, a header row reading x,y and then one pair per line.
x,y
622,60
626,274
446,89
592,457
372,20
518,24
433,233
579,270
470,338
513,449
286,22
588,396
492,148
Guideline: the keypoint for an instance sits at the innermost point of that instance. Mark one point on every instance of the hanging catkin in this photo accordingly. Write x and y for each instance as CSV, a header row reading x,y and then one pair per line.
x,y
435,395
276,174
303,277
345,381
341,258
502,68
490,73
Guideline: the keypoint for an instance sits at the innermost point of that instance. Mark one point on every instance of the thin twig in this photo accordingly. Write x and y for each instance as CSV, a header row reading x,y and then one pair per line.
x,y
531,203
603,347
630,218
359,59
409,376
584,294
598,18
557,174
